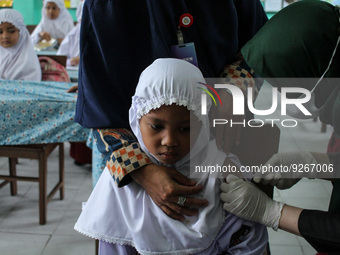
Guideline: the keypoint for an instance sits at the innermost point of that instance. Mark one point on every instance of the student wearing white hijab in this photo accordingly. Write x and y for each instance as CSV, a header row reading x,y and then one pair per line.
x,y
55,23
70,45
18,60
126,219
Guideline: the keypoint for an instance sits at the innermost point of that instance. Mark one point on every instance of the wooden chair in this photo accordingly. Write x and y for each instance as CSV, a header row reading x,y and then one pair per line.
x,y
53,68
61,59
41,153
30,28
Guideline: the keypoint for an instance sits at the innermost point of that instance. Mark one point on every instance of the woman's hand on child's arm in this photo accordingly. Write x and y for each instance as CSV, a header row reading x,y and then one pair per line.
x,y
45,35
165,185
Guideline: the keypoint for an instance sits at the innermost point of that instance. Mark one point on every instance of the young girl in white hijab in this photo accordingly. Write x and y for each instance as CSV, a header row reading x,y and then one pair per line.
x,y
55,23
18,60
165,107
70,45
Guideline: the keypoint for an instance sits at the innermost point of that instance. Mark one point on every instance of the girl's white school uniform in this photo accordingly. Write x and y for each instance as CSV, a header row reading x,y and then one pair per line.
x,y
59,27
19,62
128,216
70,45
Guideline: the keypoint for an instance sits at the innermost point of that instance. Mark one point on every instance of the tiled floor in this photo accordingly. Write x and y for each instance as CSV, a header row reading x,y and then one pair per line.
x,y
20,232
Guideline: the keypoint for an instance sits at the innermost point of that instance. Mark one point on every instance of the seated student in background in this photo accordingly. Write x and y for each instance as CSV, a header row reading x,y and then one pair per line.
x,y
70,45
55,23
164,113
18,60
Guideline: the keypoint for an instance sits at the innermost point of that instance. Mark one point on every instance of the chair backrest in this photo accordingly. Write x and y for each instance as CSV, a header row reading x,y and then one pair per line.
x,y
257,146
61,59
30,28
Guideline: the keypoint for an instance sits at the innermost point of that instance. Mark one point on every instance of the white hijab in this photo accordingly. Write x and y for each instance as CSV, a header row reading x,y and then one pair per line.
x,y
166,82
19,62
70,45
128,215
59,27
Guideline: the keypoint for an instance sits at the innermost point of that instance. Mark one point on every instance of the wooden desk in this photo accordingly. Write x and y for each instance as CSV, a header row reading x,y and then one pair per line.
x,y
37,118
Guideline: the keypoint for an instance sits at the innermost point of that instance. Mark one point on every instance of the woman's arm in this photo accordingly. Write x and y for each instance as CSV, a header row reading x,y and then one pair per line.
x,y
126,162
289,219
245,200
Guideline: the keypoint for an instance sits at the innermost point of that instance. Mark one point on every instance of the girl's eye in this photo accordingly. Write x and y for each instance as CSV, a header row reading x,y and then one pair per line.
x,y
184,129
156,127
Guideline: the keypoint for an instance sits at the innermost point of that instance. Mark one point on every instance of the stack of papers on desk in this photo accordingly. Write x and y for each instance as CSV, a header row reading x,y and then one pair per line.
x,y
46,45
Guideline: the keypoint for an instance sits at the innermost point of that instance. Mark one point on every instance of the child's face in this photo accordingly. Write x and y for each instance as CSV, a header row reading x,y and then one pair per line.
x,y
9,35
52,10
166,132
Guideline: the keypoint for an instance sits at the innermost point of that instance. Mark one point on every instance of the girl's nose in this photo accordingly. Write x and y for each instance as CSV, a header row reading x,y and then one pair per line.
x,y
170,139
5,34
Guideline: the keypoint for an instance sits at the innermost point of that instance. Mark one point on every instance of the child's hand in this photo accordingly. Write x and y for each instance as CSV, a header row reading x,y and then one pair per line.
x,y
73,89
74,61
45,35
60,40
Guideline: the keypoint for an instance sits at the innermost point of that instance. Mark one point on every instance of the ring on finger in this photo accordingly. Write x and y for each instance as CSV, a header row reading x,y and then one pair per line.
x,y
181,200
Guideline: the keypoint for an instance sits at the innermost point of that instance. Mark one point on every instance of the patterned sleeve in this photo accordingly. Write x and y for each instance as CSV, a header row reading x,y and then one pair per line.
x,y
243,77
122,153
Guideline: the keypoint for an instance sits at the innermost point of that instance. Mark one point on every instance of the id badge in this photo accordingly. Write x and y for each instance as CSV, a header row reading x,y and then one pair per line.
x,y
185,52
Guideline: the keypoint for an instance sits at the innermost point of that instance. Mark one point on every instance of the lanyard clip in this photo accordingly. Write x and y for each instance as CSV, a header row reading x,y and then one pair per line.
x,y
180,36
185,20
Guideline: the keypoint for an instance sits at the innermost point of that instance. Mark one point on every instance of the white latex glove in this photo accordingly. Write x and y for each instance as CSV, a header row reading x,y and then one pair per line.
x,y
246,201
300,161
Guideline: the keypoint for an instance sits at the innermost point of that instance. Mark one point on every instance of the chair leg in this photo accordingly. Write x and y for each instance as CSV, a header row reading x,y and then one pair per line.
x,y
61,170
96,246
13,172
42,188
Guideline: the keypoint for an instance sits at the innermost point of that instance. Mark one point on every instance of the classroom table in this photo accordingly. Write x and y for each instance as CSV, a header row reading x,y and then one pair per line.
x,y
47,52
36,118
38,112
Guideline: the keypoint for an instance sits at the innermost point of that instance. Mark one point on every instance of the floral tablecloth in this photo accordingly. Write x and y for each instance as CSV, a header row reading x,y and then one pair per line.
x,y
38,112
